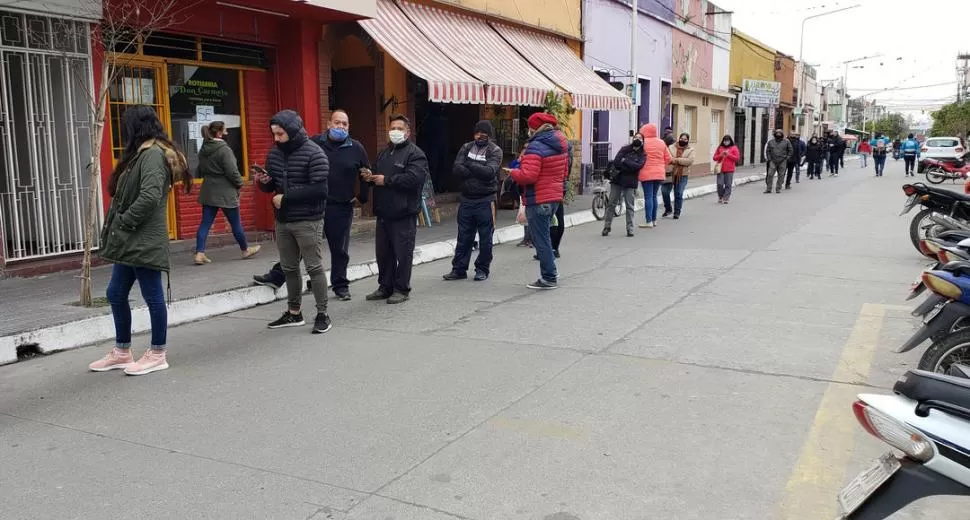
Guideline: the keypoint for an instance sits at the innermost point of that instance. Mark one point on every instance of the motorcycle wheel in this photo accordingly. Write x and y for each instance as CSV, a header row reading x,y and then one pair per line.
x,y
917,228
599,206
954,348
935,175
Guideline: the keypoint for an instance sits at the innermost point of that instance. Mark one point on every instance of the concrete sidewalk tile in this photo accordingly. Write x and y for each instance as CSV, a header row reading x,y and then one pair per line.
x,y
89,330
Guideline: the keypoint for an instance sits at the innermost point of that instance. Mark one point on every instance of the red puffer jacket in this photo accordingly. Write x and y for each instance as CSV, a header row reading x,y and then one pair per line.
x,y
544,168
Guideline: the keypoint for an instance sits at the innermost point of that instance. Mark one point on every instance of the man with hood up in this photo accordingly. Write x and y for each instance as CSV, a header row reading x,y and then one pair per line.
x,y
477,165
653,172
777,153
297,171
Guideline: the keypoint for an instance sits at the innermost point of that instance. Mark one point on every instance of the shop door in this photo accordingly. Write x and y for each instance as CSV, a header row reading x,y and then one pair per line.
x,y
140,84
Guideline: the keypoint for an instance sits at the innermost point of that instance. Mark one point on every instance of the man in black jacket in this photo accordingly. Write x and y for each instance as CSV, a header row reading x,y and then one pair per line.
x,y
402,169
477,164
347,157
626,170
296,171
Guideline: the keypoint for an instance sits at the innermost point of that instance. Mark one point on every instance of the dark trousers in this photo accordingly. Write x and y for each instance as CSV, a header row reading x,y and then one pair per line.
x,y
395,253
880,162
123,277
834,162
910,163
793,169
474,217
815,169
336,227
556,232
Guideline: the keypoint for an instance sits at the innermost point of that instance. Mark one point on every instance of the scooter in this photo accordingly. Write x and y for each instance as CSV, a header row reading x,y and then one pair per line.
x,y
945,312
928,420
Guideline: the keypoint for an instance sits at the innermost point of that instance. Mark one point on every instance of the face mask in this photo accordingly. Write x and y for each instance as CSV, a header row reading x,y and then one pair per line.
x,y
397,136
637,143
778,136
338,134
682,143
725,143
482,141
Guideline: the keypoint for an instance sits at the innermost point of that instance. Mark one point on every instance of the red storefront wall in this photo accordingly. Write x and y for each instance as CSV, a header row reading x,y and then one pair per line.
x,y
291,82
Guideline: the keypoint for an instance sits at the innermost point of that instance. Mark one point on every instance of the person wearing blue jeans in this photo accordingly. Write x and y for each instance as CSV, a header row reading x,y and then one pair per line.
x,y
539,217
650,189
123,277
681,158
221,182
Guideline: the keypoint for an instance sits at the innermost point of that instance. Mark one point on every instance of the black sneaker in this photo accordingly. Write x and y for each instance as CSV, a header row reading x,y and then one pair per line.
x,y
342,295
377,295
542,285
606,232
676,217
480,276
398,297
666,213
555,252
288,319
268,280
455,276
321,324
309,285
629,233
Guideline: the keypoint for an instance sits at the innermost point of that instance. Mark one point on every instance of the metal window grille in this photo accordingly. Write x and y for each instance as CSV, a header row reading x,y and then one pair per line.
x,y
45,134
507,136
601,153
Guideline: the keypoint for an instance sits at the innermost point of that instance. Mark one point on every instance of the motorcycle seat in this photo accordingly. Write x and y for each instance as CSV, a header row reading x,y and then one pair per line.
x,y
943,192
921,385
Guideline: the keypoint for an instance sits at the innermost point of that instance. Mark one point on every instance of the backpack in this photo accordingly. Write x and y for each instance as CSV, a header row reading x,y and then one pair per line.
x,y
880,148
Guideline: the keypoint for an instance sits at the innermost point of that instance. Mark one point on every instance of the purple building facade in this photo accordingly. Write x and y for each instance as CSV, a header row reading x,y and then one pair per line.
x,y
606,29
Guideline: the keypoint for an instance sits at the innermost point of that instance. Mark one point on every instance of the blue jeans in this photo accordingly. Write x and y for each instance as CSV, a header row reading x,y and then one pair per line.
x,y
650,189
539,218
119,287
865,160
678,190
880,162
209,216
474,217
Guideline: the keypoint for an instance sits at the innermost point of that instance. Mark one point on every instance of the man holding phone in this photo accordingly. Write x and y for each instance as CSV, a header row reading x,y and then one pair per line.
x,y
296,172
402,169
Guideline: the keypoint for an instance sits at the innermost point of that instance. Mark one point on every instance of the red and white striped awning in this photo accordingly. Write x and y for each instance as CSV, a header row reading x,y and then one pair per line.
x,y
554,59
472,44
447,82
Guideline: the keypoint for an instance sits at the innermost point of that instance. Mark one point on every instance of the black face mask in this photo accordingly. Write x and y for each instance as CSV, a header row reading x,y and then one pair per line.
x,y
683,144
778,137
482,141
637,144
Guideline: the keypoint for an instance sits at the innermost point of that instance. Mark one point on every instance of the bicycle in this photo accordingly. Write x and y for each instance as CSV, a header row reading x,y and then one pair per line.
x,y
601,196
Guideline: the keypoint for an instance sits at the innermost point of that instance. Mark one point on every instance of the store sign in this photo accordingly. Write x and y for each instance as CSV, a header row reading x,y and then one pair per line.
x,y
756,93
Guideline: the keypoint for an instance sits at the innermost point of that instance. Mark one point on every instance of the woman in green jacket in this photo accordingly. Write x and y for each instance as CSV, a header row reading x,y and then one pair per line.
x,y
220,190
135,236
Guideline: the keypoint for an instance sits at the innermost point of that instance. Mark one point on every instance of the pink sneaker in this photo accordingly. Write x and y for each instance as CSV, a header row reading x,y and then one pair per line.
x,y
151,361
118,358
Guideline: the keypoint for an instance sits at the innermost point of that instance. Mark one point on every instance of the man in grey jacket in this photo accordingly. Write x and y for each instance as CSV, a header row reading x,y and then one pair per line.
x,y
777,153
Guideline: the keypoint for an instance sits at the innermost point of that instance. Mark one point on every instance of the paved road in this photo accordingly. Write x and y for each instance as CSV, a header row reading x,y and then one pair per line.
x,y
702,369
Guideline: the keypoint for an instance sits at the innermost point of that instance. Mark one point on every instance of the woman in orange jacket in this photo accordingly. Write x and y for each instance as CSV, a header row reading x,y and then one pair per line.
x,y
653,172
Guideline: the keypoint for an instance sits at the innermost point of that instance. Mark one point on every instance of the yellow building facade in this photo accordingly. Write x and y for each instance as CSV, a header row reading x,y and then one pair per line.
x,y
753,60
558,16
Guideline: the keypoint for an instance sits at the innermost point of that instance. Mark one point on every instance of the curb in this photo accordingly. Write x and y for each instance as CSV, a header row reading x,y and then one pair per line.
x,y
97,329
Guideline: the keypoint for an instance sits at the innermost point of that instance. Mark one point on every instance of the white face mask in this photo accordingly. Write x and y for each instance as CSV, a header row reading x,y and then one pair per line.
x,y
397,136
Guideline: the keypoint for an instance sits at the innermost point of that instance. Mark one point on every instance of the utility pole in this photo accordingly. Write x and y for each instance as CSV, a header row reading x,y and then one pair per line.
x,y
801,58
963,76
634,82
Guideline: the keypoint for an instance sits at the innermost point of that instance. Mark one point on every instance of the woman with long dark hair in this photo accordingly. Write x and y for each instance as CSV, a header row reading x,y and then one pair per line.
x,y
135,236
727,157
221,182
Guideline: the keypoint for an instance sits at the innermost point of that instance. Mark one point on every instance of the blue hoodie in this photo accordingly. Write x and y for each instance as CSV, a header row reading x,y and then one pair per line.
x,y
910,147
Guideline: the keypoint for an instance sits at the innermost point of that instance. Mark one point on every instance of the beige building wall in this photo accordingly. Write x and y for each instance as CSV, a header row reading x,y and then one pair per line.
x,y
559,16
706,117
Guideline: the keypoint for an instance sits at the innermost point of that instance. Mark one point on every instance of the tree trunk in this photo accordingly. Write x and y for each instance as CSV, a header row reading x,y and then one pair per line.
x,y
100,108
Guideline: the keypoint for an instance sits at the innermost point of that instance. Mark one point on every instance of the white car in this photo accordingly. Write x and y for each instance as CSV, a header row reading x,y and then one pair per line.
x,y
942,148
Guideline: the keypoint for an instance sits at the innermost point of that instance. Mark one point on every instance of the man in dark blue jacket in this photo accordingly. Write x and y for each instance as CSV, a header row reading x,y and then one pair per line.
x,y
477,165
400,172
296,171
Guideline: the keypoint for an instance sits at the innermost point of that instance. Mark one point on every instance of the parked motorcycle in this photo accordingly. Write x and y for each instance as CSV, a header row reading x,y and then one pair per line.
x,y
945,313
939,170
942,210
928,420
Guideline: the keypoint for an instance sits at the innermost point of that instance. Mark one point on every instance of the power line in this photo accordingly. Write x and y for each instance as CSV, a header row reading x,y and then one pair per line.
x,y
902,88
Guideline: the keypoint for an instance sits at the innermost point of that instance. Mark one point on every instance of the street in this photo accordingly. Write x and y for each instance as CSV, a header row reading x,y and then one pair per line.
x,y
700,370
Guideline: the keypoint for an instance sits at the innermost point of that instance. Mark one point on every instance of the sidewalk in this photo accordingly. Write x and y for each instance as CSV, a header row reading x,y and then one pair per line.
x,y
41,315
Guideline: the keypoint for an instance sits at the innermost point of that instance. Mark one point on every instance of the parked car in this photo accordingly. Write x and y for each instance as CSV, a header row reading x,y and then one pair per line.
x,y
943,148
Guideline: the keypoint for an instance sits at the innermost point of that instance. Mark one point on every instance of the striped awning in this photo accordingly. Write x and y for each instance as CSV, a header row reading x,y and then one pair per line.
x,y
554,59
447,82
472,44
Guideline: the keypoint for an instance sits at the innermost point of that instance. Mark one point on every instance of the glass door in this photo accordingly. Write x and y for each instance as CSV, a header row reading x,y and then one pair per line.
x,y
140,83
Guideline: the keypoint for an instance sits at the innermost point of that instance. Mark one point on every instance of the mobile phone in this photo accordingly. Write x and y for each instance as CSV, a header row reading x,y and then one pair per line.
x,y
257,168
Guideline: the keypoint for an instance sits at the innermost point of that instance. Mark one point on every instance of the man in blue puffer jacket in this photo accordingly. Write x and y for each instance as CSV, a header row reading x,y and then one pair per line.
x,y
910,149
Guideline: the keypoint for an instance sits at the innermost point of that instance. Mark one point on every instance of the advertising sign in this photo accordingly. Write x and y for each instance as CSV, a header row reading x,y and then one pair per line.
x,y
760,93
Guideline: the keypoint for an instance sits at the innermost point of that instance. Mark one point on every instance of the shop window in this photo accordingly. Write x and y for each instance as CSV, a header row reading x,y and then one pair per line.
x,y
234,54
171,46
198,95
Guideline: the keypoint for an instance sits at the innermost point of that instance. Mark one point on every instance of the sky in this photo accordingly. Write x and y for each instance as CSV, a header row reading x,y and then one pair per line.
x,y
918,45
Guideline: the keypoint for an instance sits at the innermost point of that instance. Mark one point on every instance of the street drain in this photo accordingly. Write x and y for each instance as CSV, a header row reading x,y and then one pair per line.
x,y
28,350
